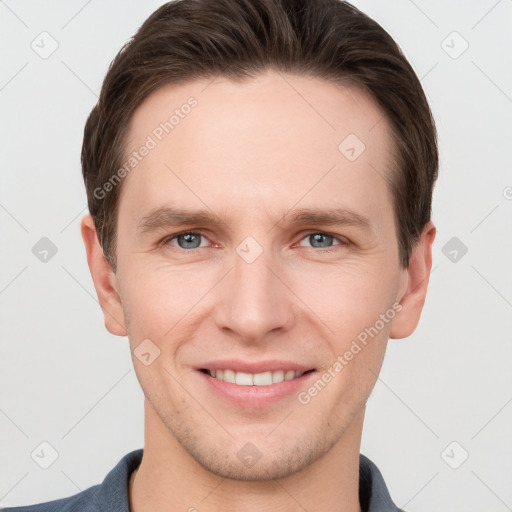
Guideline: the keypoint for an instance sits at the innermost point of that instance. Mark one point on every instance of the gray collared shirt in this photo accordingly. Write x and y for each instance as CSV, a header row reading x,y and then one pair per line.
x,y
112,494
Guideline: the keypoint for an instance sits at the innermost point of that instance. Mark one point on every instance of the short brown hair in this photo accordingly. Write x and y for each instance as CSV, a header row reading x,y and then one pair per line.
x,y
329,39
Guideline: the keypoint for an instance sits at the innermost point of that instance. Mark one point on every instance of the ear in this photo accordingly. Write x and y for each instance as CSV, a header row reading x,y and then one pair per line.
x,y
413,289
105,280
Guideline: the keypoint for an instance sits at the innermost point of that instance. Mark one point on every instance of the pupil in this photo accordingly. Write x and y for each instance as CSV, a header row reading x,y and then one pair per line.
x,y
189,240
318,237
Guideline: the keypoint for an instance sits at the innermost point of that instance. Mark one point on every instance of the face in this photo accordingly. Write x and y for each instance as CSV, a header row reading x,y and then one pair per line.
x,y
291,255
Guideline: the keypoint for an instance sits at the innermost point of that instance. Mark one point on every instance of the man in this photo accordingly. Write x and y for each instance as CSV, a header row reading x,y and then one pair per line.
x,y
259,178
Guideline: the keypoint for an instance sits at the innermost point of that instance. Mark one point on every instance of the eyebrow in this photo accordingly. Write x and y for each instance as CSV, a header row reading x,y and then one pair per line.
x,y
166,217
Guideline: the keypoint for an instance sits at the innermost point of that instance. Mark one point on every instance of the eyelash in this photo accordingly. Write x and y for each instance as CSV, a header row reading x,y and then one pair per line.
x,y
343,242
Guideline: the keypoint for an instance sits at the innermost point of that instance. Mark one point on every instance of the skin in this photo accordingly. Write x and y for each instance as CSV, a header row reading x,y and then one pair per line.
x,y
251,152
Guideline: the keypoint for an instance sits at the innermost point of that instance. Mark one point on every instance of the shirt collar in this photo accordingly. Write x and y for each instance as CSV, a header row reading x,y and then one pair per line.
x,y
113,492
373,492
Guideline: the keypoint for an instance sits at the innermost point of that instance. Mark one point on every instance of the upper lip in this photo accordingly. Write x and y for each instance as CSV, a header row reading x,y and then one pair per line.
x,y
254,367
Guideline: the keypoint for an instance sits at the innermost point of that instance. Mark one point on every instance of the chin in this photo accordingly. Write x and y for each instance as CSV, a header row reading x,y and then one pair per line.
x,y
263,459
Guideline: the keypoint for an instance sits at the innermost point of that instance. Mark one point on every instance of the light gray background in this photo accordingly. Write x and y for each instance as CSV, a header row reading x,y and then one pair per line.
x,y
65,380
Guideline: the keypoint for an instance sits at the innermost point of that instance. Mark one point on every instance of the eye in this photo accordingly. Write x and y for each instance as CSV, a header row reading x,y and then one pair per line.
x,y
324,241
189,240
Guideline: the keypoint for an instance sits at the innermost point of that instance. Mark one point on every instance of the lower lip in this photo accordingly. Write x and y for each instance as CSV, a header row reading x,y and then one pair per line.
x,y
255,396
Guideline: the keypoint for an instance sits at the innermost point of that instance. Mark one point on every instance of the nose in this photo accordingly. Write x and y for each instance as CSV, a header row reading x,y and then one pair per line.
x,y
254,300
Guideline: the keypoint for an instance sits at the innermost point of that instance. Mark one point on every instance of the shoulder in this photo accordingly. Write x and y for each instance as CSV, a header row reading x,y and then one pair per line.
x,y
111,495
85,501
373,492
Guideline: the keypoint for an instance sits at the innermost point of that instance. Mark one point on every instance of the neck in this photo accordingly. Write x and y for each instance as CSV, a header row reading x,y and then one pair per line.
x,y
169,475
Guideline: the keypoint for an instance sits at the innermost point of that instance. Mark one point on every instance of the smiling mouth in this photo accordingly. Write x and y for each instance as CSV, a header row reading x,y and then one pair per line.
x,y
254,379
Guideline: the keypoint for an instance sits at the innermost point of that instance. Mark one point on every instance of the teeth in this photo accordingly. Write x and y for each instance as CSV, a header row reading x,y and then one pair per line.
x,y
262,379
254,379
277,376
229,376
243,379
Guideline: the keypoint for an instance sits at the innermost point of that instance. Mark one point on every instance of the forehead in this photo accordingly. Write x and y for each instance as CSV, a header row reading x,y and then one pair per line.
x,y
271,139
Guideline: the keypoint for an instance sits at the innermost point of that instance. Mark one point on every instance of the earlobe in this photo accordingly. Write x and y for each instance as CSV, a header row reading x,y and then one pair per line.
x,y
413,292
105,281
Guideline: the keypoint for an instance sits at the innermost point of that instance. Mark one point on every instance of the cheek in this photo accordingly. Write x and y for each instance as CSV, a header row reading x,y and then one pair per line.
x,y
339,299
157,299
346,297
